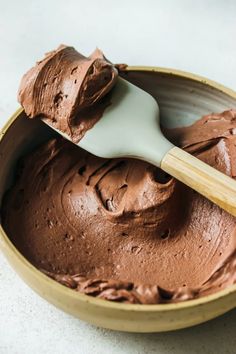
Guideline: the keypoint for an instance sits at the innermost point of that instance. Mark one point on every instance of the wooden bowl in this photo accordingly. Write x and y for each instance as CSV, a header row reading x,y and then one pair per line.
x,y
182,98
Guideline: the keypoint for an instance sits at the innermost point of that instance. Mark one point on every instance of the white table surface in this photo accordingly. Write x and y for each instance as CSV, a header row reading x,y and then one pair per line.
x,y
197,36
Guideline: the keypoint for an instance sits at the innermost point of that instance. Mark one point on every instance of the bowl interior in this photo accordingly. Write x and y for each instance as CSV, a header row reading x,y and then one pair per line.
x,y
182,101
22,136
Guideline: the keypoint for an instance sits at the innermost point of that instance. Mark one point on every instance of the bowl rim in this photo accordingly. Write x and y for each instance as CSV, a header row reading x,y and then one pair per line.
x,y
6,244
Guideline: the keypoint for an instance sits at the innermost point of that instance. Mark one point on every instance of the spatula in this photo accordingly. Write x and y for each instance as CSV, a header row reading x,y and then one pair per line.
x,y
130,127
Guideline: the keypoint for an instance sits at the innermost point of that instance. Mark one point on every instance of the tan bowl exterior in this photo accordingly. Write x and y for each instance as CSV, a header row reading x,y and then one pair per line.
x,y
116,316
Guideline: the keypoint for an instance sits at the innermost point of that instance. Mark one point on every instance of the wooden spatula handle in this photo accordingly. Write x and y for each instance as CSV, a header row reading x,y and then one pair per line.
x,y
212,184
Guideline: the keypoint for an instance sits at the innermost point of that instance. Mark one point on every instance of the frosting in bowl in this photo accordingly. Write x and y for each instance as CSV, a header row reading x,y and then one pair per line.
x,y
122,229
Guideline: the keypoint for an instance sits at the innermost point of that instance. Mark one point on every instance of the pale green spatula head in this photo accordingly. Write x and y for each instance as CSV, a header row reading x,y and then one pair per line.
x,y
129,127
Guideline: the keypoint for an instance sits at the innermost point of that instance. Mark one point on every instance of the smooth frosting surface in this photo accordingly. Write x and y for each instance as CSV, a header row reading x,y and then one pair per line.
x,y
121,229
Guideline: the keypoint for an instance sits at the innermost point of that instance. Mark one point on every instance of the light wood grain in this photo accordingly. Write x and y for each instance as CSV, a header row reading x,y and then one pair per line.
x,y
201,177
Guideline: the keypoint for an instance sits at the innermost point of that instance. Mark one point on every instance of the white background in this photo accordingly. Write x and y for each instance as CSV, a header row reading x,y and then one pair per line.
x,y
197,36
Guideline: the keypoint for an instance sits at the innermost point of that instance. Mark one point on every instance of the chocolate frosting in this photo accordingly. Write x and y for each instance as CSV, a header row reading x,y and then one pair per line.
x,y
121,229
67,90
